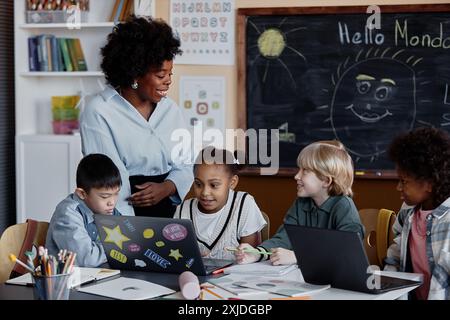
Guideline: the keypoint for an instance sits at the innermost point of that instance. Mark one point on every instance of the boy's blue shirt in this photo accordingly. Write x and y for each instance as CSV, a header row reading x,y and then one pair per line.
x,y
72,227
337,212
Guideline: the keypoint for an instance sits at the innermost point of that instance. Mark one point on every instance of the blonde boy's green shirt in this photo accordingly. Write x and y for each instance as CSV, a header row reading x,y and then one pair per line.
x,y
337,212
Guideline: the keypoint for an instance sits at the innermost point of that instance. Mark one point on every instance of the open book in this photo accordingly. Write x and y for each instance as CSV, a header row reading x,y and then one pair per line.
x,y
80,276
283,287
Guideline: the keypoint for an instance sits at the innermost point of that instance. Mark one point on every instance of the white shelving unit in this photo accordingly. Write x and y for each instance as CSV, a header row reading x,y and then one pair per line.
x,y
46,163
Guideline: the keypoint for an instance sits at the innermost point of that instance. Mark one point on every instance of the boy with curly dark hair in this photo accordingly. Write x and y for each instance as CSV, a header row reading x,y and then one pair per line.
x,y
132,120
422,232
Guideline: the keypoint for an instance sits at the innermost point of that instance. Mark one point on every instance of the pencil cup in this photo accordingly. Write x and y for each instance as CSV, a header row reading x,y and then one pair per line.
x,y
55,287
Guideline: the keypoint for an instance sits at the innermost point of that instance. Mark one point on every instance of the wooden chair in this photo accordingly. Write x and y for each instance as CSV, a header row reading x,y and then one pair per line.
x,y
378,234
12,241
265,232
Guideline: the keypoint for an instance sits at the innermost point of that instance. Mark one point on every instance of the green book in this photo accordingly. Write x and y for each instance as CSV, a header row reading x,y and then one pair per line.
x,y
78,55
65,54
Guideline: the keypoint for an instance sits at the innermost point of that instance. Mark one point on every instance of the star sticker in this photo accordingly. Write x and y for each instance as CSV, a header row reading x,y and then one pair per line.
x,y
175,254
115,235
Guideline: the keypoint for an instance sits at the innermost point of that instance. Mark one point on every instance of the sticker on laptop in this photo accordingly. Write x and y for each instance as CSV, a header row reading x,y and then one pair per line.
x,y
174,232
128,224
116,255
189,262
134,247
148,233
139,263
160,244
175,254
156,258
115,236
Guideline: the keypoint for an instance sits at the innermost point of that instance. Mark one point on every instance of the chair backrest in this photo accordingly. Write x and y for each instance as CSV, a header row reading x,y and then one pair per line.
x,y
378,236
17,239
265,232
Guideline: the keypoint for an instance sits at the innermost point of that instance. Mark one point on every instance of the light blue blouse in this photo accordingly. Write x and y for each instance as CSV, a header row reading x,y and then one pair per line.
x,y
109,124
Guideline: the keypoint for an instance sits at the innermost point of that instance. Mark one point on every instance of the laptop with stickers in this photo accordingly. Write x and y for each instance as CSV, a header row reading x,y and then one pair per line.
x,y
153,244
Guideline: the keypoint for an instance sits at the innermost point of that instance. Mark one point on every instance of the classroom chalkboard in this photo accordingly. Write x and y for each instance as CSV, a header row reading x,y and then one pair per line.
x,y
322,73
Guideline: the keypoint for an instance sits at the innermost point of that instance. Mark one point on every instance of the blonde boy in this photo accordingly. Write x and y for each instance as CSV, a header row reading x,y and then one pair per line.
x,y
324,190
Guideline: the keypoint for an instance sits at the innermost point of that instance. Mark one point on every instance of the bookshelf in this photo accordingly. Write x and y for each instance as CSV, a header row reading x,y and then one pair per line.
x,y
45,162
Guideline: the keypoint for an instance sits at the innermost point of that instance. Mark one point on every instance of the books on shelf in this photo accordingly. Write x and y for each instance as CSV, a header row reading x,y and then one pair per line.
x,y
81,276
121,10
48,53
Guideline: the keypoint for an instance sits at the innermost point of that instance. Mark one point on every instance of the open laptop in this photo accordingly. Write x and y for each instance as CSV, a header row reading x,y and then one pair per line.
x,y
153,244
338,258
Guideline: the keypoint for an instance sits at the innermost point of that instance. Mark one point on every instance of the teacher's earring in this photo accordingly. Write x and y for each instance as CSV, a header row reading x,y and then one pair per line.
x,y
134,85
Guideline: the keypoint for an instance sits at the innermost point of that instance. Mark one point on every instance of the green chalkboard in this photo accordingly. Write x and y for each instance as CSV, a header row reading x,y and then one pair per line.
x,y
322,73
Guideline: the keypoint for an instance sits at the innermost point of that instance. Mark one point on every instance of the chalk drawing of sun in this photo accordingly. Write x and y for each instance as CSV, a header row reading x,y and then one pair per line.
x,y
274,57
371,92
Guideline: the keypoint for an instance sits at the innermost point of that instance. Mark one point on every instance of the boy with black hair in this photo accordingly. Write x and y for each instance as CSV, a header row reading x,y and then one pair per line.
x,y
72,225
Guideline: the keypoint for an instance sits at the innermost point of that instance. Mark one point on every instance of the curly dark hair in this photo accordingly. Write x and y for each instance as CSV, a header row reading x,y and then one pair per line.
x,y
424,153
134,47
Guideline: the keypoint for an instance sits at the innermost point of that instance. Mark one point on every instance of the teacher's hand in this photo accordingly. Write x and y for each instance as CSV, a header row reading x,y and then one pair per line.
x,y
152,193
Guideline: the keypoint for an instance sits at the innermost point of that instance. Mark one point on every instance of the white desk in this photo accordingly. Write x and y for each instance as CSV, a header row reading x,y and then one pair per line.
x,y
328,294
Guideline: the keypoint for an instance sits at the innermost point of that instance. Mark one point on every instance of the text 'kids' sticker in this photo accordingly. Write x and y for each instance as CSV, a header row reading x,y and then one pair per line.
x,y
156,258
174,232
118,256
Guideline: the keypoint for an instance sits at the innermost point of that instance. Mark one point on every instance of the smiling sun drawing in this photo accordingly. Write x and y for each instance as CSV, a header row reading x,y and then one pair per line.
x,y
370,96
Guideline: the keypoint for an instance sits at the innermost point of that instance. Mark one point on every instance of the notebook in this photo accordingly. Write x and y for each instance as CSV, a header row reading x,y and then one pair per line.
x,y
81,276
283,287
153,244
127,289
264,268
338,258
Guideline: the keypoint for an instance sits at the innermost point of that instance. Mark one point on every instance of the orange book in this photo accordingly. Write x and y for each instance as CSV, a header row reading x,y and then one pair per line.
x,y
123,13
113,13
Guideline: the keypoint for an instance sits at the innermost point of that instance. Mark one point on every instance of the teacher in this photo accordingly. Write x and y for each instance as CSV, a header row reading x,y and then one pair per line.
x,y
132,120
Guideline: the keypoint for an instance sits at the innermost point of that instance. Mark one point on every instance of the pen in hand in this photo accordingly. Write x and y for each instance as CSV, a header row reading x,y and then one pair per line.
x,y
249,250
